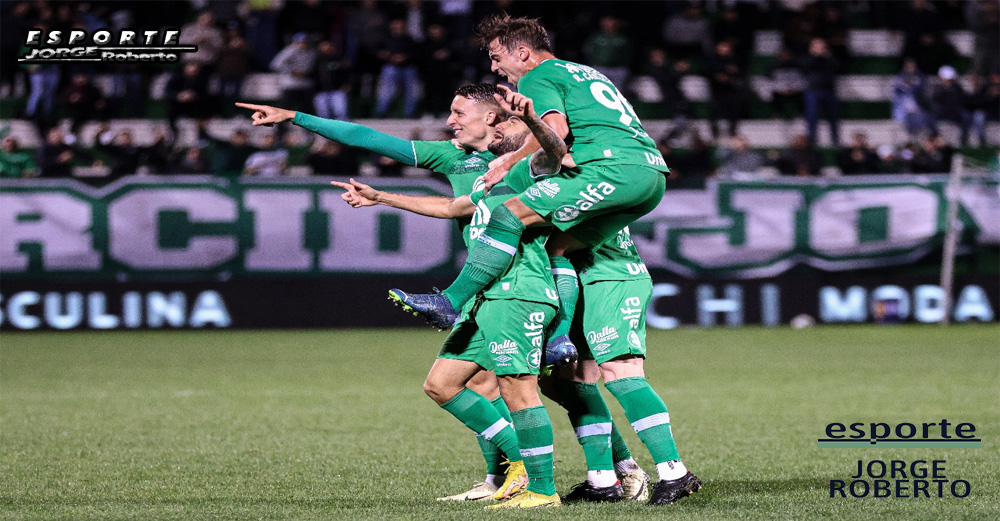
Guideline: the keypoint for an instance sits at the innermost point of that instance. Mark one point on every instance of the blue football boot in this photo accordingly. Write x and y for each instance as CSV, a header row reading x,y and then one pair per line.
x,y
434,307
559,351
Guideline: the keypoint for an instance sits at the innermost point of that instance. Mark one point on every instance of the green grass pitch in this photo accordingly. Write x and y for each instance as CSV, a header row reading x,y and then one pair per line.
x,y
330,425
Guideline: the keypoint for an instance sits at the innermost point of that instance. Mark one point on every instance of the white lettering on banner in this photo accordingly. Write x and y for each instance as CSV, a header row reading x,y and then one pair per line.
x,y
279,230
31,310
134,223
354,239
971,304
769,231
850,307
654,319
835,223
60,223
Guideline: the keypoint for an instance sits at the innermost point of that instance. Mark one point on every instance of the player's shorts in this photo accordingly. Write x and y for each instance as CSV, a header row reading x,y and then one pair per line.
x,y
514,333
466,341
595,201
613,322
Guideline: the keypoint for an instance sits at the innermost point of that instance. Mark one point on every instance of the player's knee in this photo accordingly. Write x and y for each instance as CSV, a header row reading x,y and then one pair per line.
x,y
436,391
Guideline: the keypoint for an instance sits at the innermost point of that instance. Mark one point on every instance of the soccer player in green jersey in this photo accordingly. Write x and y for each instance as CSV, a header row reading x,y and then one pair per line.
x,y
519,50
473,118
505,328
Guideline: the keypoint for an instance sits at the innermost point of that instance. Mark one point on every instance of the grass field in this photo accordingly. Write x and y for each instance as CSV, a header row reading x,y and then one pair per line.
x,y
331,425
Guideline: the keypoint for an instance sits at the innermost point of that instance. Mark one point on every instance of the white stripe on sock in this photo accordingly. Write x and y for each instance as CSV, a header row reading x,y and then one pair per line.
x,y
537,451
593,429
565,271
651,421
494,429
490,241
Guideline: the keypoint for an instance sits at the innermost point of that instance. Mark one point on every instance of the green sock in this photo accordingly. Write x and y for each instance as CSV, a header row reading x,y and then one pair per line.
x,y
478,414
491,453
488,258
568,287
619,451
591,419
648,415
534,433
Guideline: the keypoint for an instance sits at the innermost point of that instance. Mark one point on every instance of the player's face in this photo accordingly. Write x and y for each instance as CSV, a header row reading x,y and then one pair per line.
x,y
506,63
468,121
509,136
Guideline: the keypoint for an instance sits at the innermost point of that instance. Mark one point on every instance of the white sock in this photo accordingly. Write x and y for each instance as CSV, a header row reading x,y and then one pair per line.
x,y
495,479
627,465
670,470
601,478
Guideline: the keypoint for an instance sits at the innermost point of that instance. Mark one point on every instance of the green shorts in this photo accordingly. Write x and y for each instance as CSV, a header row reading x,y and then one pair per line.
x,y
506,336
466,341
595,201
611,319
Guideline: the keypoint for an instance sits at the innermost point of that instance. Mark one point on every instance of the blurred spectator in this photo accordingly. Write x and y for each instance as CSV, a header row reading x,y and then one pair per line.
x,y
727,82
732,26
190,161
859,158
55,156
821,69
800,159
931,53
366,27
668,77
296,65
209,39
985,105
305,16
227,157
949,102
332,158
610,51
832,27
388,167
916,20
908,88
457,16
126,157
14,162
440,68
799,26
84,101
890,161
16,23
270,161
934,156
399,71
232,68
736,158
261,30
416,15
687,34
690,168
187,95
983,17
787,85
128,89
333,82
44,82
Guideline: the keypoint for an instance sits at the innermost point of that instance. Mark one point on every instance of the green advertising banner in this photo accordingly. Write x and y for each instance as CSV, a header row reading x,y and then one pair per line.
x,y
204,228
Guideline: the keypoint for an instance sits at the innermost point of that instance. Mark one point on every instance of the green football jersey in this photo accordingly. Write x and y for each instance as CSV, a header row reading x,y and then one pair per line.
x,y
616,259
602,124
462,168
529,276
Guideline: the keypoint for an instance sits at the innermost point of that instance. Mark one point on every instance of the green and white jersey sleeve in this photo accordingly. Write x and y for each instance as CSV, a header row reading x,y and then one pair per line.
x,y
616,259
602,124
529,276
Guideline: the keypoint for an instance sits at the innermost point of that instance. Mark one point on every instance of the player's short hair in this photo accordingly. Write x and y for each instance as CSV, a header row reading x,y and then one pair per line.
x,y
511,32
482,93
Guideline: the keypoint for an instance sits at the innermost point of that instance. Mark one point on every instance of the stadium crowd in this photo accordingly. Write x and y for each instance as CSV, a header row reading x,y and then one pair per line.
x,y
405,58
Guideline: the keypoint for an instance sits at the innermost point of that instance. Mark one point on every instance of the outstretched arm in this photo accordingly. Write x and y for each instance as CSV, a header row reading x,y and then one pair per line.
x,y
553,147
350,134
359,195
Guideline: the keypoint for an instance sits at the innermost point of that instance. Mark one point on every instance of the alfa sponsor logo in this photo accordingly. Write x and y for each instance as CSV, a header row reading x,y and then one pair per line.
x,y
505,347
552,294
632,311
535,328
588,198
534,357
605,335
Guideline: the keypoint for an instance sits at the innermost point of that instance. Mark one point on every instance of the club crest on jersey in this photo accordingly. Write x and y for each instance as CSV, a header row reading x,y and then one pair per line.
x,y
633,340
534,357
566,212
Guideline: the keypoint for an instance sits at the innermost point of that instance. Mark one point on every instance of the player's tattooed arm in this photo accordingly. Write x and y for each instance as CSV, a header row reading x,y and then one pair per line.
x,y
553,147
360,195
